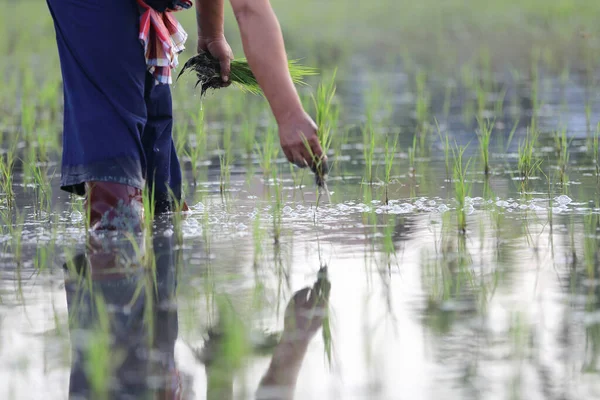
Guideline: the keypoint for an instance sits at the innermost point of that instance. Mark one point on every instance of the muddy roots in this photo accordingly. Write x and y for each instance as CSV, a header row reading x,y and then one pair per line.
x,y
207,69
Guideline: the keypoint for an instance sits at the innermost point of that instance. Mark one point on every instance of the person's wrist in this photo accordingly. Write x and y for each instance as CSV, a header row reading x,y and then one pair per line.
x,y
211,38
288,114
295,342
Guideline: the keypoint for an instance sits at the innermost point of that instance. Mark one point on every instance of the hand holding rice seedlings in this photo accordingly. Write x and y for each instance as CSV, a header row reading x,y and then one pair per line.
x,y
208,72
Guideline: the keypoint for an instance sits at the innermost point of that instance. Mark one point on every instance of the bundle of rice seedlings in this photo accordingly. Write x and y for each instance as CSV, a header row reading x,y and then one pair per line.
x,y
208,72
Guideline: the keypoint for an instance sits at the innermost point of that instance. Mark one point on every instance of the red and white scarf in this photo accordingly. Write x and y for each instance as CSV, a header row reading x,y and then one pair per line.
x,y
163,39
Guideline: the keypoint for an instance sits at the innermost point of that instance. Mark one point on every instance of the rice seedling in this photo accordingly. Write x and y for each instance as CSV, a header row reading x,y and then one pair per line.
x,y
499,104
534,79
482,96
447,100
267,151
412,151
562,143
181,130
423,105
208,73
588,117
198,150
339,145
248,133
369,145
510,136
327,111
43,191
28,119
378,106
483,135
257,238
462,188
528,162
596,149
390,154
591,244
225,159
7,164
149,203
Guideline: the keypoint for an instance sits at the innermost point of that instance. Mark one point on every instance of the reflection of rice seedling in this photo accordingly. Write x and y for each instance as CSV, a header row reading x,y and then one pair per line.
x,y
323,288
208,72
99,358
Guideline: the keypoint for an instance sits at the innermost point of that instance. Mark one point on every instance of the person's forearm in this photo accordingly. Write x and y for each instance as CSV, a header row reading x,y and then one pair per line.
x,y
264,48
209,15
283,372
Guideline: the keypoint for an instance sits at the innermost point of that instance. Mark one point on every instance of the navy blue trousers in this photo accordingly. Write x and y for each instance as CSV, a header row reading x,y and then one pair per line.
x,y
117,121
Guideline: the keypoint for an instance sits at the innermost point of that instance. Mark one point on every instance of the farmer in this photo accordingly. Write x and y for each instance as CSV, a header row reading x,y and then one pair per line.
x,y
116,60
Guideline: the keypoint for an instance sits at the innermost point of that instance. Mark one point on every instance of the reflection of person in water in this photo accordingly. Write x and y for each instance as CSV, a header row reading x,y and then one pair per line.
x,y
119,315
124,326
304,316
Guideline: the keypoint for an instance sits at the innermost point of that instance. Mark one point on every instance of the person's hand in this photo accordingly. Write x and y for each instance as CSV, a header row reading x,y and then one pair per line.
x,y
299,141
305,313
219,49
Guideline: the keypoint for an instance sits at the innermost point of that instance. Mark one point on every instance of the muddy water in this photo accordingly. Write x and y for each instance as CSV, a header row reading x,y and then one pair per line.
x,y
510,310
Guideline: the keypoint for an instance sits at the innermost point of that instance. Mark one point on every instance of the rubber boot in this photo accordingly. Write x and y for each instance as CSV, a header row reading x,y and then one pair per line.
x,y
113,206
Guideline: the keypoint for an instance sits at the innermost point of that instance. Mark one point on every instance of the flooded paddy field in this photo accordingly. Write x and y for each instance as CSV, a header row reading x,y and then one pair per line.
x,y
455,255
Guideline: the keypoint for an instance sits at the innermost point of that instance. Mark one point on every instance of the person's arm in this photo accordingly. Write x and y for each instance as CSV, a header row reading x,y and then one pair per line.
x,y
304,316
211,36
279,381
265,50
